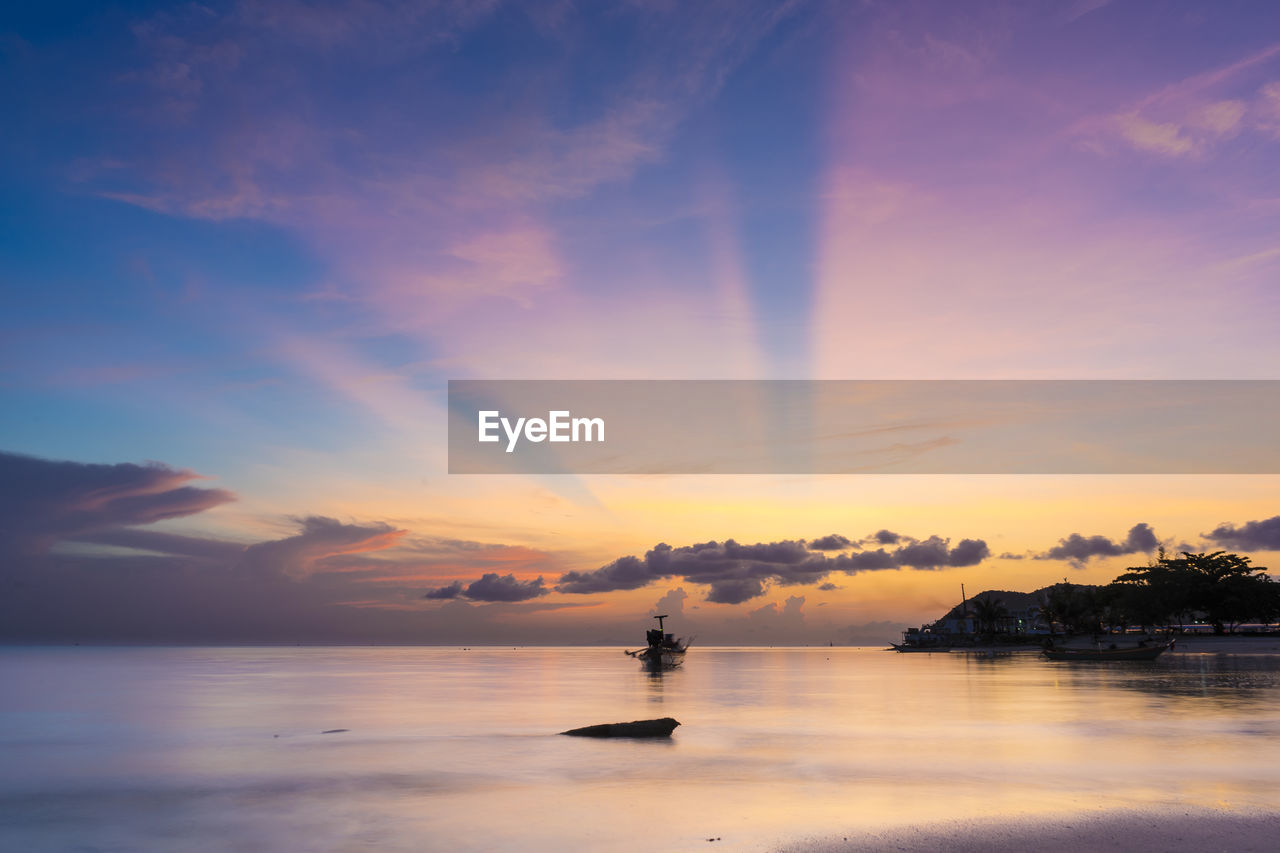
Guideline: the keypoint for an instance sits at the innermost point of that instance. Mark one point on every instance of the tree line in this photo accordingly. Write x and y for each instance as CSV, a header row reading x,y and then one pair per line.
x,y
1220,589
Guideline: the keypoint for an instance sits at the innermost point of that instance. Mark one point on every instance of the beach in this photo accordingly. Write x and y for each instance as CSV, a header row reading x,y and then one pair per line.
x,y
1096,831
1094,827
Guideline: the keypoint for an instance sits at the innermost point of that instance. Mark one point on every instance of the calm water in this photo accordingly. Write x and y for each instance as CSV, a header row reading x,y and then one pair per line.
x,y
172,749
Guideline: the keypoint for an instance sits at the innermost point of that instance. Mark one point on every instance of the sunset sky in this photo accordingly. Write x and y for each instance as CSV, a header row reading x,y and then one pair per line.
x,y
245,245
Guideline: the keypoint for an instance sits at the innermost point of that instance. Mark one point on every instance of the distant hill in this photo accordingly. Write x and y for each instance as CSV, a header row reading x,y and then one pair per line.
x,y
1011,600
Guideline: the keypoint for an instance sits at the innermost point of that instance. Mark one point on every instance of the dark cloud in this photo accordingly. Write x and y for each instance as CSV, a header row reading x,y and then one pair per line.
x,y
932,553
492,587
865,561
321,539
1261,535
737,573
623,573
216,550
1141,538
727,566
735,591
1009,555
828,587
43,501
884,537
1079,549
324,581
832,542
453,590
969,552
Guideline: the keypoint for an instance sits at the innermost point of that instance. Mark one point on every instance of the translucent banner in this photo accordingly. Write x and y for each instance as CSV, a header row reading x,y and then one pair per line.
x,y
857,426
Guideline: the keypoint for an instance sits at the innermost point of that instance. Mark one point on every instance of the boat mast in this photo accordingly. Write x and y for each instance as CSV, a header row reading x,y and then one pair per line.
x,y
660,618
964,607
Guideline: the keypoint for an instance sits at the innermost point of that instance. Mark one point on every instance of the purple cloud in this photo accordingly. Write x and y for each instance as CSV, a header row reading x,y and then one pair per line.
x,y
969,552
737,573
1078,549
444,593
43,501
832,542
735,591
884,537
321,539
1261,535
492,587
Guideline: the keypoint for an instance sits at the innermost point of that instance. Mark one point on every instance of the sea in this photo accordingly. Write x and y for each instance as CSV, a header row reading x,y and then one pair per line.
x,y
458,749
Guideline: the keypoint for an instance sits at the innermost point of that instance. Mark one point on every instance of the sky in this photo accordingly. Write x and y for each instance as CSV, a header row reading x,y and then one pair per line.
x,y
245,245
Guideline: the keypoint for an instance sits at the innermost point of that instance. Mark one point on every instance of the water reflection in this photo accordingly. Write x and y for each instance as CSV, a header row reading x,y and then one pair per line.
x,y
1236,681
655,681
450,751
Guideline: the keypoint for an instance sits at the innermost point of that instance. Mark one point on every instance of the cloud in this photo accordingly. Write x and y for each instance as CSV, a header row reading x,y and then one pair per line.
x,y
1166,138
1185,120
75,565
492,587
832,542
423,211
929,554
733,570
736,573
1261,535
320,540
969,552
1268,108
866,561
735,590
216,550
1078,549
932,553
884,537
672,603
790,615
43,501
451,591
1221,118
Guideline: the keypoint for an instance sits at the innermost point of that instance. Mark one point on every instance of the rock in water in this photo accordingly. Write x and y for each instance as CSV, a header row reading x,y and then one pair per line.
x,y
636,728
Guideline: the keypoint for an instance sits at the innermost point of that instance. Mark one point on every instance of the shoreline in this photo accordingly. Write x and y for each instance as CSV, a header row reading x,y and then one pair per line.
x,y
1159,828
1187,644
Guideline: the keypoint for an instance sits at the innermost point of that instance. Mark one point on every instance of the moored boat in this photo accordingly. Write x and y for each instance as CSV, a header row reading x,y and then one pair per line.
x,y
905,647
664,651
1142,651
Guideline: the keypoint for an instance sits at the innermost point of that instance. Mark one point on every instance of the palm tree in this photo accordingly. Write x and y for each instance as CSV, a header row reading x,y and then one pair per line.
x,y
990,612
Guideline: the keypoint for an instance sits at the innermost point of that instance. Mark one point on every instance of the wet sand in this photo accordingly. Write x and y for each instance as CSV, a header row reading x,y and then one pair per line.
x,y
1099,832
1207,643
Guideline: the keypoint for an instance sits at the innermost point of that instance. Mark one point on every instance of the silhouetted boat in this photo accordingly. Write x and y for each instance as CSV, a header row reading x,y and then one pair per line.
x,y
664,651
905,647
1141,651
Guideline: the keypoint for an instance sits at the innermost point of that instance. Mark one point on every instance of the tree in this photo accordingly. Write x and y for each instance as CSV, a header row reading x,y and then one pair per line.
x,y
989,612
1221,586
1074,608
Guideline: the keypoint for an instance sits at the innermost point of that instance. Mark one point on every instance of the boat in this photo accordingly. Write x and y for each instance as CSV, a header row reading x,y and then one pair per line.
x,y
1142,651
663,650
905,647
